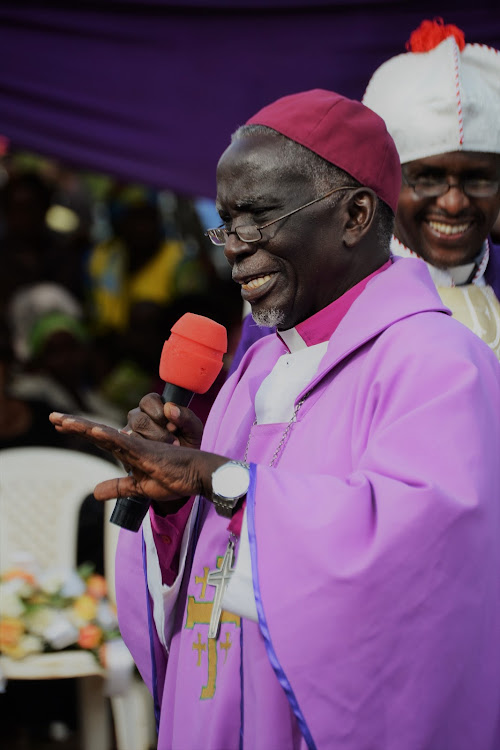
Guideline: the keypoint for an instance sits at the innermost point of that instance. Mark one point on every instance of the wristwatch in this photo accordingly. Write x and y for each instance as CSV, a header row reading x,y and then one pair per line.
x,y
230,483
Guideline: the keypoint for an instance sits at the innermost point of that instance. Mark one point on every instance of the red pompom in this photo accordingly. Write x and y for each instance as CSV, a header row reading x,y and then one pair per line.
x,y
431,33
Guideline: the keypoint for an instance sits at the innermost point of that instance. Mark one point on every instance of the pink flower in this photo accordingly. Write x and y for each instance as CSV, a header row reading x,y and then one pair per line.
x,y
90,636
96,586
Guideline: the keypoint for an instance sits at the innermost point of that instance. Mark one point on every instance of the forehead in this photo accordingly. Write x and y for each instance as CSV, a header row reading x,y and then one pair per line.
x,y
254,167
457,162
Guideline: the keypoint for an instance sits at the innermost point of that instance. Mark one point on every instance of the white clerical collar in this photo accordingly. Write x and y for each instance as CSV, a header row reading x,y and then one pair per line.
x,y
449,277
292,339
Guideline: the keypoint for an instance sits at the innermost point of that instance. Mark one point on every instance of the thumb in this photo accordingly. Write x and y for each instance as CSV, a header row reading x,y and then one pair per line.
x,y
115,488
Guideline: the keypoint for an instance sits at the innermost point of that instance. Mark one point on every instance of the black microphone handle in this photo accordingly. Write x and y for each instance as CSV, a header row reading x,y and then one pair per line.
x,y
176,395
129,512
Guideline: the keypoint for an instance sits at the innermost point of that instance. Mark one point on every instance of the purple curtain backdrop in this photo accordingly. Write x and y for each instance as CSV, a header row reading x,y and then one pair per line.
x,y
151,91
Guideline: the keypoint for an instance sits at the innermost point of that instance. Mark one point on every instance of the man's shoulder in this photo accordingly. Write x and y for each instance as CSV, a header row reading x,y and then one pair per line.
x,y
432,335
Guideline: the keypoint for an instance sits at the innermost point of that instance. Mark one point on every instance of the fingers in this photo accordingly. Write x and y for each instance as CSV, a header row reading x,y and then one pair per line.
x,y
184,423
115,488
148,419
152,405
112,489
142,424
124,447
167,423
72,424
128,449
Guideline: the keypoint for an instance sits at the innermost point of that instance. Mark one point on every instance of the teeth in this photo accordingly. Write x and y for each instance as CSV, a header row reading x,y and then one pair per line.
x,y
448,228
256,283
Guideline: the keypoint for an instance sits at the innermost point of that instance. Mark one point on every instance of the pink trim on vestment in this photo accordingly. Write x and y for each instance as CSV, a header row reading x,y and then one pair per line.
x,y
320,326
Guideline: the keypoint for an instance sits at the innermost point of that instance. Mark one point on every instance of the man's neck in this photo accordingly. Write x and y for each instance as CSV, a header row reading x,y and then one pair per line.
x,y
468,273
320,326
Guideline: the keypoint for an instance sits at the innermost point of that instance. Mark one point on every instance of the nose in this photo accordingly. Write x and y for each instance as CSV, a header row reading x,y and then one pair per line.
x,y
235,249
454,201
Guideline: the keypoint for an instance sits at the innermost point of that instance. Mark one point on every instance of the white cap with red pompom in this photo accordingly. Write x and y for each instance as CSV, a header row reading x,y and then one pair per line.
x,y
441,96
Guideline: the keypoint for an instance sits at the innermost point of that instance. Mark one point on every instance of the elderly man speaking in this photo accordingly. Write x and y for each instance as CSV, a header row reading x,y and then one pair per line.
x,y
350,466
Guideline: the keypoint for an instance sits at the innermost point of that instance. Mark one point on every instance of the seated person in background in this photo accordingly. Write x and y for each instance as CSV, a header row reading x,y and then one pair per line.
x,y
350,464
54,352
441,104
138,263
23,421
27,246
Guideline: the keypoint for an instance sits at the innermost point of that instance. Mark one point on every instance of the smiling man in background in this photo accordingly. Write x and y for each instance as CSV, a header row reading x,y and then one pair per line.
x,y
441,104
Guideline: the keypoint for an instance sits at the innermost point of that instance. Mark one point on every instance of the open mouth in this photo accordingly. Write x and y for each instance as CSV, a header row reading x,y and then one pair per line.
x,y
255,287
257,282
449,230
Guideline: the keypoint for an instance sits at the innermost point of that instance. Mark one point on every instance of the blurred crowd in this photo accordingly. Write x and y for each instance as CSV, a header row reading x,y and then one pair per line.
x,y
91,283
93,276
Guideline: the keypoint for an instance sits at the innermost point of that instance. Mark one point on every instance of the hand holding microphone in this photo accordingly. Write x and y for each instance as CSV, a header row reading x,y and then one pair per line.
x,y
153,420
190,362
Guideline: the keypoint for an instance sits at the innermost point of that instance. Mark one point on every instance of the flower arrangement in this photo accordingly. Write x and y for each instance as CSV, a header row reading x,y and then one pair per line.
x,y
55,609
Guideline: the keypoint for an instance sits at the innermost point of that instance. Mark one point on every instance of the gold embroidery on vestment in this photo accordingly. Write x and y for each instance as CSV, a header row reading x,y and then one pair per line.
x,y
199,613
477,308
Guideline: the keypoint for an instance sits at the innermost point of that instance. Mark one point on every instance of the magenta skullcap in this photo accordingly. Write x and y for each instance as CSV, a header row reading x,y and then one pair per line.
x,y
341,131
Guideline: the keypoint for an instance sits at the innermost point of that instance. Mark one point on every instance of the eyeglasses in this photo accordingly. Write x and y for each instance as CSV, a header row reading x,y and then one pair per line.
x,y
435,187
249,233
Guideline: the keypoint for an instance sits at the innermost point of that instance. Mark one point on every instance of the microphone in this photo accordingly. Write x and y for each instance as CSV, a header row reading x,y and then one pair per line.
x,y
190,361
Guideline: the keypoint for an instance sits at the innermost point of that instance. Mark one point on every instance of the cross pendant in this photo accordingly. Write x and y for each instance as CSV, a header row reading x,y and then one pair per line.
x,y
220,578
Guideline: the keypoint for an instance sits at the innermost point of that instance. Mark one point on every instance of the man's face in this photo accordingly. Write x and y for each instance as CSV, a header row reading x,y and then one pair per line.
x,y
448,230
299,266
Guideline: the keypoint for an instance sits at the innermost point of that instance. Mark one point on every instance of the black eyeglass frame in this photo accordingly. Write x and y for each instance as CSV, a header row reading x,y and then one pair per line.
x,y
236,231
438,188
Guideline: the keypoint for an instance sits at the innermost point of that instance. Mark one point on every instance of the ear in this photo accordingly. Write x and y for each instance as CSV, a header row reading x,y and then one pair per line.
x,y
360,208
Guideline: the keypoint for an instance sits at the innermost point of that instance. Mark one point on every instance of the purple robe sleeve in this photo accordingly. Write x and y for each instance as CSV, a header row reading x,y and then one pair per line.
x,y
131,600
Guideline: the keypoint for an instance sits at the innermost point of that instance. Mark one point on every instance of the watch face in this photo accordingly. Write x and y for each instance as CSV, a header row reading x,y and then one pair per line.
x,y
231,480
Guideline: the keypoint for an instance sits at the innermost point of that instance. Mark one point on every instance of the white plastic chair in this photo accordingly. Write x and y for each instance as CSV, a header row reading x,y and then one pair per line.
x,y
41,491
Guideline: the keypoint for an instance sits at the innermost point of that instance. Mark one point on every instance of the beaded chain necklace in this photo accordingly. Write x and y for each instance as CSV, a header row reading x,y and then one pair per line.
x,y
220,577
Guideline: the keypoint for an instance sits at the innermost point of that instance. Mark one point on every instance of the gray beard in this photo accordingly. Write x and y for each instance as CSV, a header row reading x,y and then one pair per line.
x,y
270,318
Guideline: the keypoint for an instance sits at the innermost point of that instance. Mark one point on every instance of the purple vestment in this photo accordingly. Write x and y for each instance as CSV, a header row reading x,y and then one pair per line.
x,y
375,549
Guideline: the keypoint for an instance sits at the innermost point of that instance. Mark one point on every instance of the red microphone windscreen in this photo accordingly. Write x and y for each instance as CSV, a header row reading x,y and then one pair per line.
x,y
192,355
